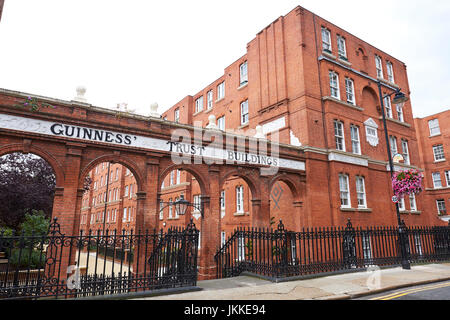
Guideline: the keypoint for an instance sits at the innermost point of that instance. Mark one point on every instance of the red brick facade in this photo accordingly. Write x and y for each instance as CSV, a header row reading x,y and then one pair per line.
x,y
433,133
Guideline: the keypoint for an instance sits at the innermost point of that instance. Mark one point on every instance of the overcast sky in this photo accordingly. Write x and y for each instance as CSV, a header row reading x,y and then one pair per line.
x,y
140,52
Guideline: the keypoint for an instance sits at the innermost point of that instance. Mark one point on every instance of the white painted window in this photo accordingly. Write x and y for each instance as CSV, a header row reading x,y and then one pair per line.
x,y
170,209
390,71
221,123
438,151
126,191
244,112
345,191
197,203
401,204
379,66
124,218
447,178
437,182
177,115
326,40
209,99
442,210
339,135
176,213
400,115
243,73
239,199
221,91
393,145
241,249
367,247
388,107
222,201
356,144
171,178
361,192
418,244
199,104
223,238
334,85
434,127
131,191
117,174
161,210
350,91
412,202
405,151
342,50
178,176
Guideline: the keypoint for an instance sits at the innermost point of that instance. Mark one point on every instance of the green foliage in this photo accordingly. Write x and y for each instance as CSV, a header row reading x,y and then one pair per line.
x,y
6,232
27,258
36,223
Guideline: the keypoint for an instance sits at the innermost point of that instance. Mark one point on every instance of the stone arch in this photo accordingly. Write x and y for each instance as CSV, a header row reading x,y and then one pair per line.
x,y
192,169
247,176
51,160
113,158
370,98
289,181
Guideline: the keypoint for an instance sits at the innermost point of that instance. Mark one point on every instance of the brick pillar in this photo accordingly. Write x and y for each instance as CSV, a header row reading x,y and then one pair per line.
x,y
147,214
261,207
210,228
65,210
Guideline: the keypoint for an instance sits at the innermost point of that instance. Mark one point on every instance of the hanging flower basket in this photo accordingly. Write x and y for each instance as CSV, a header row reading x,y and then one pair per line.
x,y
406,183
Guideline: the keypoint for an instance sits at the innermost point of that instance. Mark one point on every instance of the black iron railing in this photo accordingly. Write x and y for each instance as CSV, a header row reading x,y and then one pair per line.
x,y
56,265
282,254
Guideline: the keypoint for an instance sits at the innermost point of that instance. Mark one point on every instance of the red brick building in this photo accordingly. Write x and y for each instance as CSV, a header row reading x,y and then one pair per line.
x,y
316,84
433,134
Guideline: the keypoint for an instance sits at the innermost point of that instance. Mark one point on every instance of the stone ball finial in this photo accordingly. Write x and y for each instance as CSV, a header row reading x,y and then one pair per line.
x,y
81,91
259,132
154,110
212,122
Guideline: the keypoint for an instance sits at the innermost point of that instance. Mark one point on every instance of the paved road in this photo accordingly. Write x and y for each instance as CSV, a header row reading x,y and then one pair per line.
x,y
436,291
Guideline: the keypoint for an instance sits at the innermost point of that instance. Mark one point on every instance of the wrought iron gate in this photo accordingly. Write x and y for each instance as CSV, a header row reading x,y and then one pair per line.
x,y
60,266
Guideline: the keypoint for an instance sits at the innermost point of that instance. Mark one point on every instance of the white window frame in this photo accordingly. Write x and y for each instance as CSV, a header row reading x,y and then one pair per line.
x,y
447,178
438,152
223,238
221,90
339,135
412,202
124,218
388,107
361,192
221,123
400,114
379,66
434,127
405,152
177,115
209,99
326,40
344,189
199,104
334,85
244,113
437,181
356,141
341,45
367,246
240,199
243,73
401,204
222,201
170,208
161,210
441,206
350,91
390,71
393,145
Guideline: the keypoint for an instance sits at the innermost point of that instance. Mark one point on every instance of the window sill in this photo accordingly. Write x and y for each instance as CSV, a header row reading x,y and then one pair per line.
x,y
367,210
397,122
388,82
240,214
198,112
208,110
219,100
329,55
346,62
439,161
242,86
346,104
243,126
435,135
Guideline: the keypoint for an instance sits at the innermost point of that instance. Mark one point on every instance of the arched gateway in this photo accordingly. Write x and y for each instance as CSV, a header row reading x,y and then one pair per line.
x,y
74,137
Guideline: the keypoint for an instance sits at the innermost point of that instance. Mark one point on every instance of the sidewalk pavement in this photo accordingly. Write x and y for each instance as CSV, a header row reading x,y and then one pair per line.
x,y
337,287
